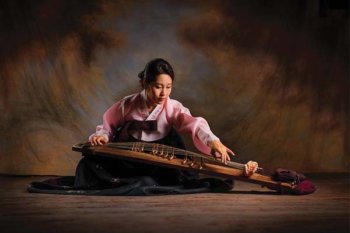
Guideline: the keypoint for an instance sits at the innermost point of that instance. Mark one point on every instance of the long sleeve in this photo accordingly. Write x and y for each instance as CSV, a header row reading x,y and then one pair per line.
x,y
198,127
111,119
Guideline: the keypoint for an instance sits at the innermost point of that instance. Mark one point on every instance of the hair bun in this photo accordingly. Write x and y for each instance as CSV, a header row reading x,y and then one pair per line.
x,y
141,75
154,68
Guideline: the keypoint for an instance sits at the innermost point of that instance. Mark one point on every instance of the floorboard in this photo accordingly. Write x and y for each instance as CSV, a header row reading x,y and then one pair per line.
x,y
247,208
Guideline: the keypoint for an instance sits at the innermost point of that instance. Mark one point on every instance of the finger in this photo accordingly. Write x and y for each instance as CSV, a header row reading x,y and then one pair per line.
x,y
99,141
227,158
94,143
224,158
231,152
103,140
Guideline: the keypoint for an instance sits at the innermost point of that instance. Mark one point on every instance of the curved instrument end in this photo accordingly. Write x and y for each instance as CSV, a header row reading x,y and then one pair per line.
x,y
79,147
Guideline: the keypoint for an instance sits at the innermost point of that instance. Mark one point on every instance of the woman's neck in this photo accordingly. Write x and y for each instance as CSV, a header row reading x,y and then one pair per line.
x,y
151,108
150,105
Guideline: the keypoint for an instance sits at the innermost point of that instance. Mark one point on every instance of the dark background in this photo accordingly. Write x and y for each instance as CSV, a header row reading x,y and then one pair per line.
x,y
271,77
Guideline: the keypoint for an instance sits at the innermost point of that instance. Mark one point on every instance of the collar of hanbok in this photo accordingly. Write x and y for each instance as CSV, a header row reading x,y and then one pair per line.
x,y
156,111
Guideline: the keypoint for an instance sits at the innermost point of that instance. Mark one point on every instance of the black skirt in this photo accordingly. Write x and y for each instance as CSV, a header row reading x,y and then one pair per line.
x,y
97,175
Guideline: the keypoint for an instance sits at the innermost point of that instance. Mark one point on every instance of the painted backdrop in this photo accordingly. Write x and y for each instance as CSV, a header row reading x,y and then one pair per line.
x,y
271,77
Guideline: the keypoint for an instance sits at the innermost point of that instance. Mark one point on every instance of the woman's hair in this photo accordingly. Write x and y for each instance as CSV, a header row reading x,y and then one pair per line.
x,y
153,69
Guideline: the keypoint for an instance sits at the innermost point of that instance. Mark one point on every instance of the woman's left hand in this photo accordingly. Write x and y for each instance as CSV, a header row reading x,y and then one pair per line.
x,y
221,151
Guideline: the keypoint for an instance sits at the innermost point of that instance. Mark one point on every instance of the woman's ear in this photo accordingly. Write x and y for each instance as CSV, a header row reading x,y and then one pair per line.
x,y
147,89
144,84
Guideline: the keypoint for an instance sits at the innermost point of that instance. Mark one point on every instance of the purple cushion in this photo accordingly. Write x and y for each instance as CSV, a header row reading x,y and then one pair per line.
x,y
304,187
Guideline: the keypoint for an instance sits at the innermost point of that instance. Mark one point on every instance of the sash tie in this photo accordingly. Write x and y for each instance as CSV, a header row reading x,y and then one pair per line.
x,y
143,125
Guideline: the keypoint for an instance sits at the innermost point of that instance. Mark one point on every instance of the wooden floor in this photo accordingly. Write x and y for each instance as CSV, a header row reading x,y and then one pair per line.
x,y
242,210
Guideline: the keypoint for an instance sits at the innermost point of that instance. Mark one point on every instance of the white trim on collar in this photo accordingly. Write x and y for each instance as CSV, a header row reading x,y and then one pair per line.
x,y
156,111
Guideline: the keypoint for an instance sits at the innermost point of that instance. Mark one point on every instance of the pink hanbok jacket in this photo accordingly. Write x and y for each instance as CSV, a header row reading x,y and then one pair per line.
x,y
170,113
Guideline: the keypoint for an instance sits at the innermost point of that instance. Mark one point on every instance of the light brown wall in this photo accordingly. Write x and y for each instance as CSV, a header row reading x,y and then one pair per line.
x,y
270,78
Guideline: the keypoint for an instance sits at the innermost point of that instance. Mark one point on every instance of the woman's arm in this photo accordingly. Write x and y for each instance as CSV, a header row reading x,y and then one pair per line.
x,y
203,138
111,119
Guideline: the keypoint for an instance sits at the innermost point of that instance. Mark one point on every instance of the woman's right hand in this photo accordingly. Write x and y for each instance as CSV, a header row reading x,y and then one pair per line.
x,y
98,140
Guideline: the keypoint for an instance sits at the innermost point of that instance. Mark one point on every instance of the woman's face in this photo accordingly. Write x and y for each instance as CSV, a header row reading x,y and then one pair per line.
x,y
159,90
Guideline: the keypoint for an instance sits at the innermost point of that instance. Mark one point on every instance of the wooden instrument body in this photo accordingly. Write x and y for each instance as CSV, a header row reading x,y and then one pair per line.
x,y
193,161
